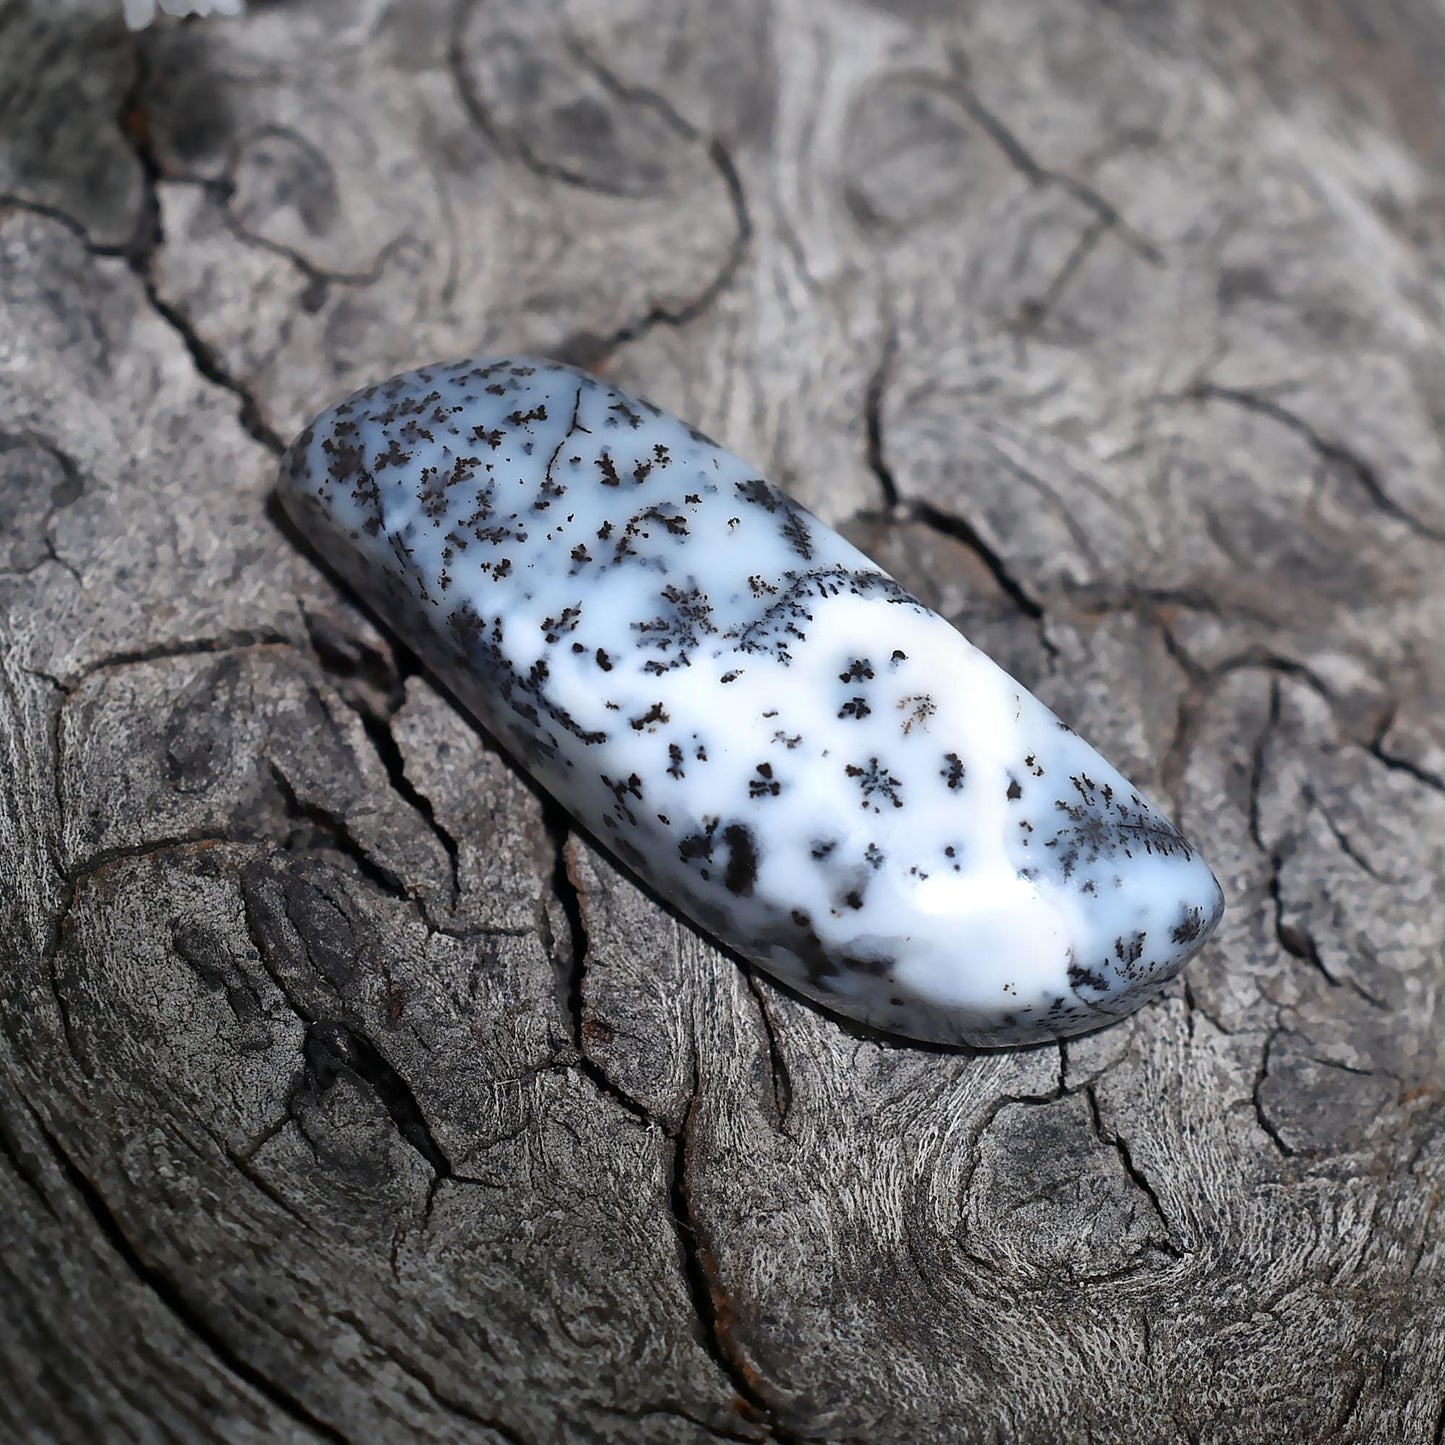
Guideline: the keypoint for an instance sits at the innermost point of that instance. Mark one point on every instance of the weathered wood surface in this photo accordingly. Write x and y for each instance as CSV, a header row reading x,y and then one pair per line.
x,y
345,1096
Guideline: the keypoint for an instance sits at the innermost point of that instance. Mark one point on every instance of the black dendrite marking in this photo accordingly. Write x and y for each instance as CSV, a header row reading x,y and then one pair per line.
x,y
1128,950
467,626
743,859
782,622
1102,823
1081,977
559,626
876,784
740,870
797,532
665,516
1190,927
759,493
531,710
649,721
764,785
698,847
678,629
623,789
621,409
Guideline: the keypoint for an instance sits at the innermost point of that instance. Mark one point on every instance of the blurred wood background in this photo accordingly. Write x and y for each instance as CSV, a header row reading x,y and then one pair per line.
x,y
346,1095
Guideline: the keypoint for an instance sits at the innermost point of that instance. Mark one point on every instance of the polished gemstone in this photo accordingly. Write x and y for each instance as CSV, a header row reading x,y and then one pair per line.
x,y
776,736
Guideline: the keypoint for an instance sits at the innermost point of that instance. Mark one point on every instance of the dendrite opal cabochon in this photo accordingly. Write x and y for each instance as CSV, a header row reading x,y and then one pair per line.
x,y
762,723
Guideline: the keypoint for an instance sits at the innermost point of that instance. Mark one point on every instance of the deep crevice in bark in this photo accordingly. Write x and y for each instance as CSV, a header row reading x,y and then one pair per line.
x,y
331,1046
948,524
335,833
237,640
782,1079
569,957
1136,1176
373,686
873,422
1035,311
1261,1116
1397,764
12,1151
961,530
1329,450
427,1379
134,125
1255,287
590,351
378,729
709,1301
1296,942
192,1320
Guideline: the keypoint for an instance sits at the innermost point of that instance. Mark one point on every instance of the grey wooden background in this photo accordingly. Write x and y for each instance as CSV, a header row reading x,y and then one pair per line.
x,y
345,1095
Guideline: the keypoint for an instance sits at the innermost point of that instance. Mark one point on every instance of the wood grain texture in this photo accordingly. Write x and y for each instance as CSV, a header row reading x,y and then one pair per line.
x,y
346,1095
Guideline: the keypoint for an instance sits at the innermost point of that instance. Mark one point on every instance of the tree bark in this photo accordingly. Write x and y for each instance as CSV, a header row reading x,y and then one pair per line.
x,y
346,1094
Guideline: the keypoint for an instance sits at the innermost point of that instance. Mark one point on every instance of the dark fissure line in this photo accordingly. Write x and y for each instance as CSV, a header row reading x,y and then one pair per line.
x,y
1265,1123
781,1078
378,729
134,127
570,962
1126,1158
1397,764
333,828
694,1269
1334,452
174,1300
945,523
1038,174
10,1150
965,532
330,1046
698,1279
236,641
366,664
873,420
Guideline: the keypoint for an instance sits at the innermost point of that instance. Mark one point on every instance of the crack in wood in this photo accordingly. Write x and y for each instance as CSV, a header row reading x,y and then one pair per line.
x,y
779,1076
1334,452
188,1315
1038,174
711,1304
1261,1115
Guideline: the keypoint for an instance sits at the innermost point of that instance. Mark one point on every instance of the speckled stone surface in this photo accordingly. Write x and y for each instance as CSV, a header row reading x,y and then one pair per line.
x,y
753,716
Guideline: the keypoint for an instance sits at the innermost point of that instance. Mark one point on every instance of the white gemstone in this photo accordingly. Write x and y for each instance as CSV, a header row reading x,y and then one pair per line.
x,y
752,715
